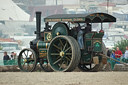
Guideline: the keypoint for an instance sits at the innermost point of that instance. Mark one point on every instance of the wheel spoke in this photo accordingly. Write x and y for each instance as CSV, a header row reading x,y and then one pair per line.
x,y
22,57
31,55
56,46
67,49
28,67
25,54
23,64
65,46
68,58
67,62
61,65
31,59
55,54
57,50
57,61
61,44
58,57
68,53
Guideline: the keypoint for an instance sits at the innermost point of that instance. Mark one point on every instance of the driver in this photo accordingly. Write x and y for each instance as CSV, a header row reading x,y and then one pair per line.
x,y
88,28
79,35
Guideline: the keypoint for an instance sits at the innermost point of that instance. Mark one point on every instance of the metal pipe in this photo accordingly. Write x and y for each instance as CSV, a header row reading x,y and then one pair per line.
x,y
101,26
56,2
38,24
107,5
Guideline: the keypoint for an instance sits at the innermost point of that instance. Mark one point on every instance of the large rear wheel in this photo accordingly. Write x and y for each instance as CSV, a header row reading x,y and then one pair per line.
x,y
63,53
27,60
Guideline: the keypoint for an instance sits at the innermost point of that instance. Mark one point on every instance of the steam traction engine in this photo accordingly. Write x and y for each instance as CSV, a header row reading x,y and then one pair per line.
x,y
57,49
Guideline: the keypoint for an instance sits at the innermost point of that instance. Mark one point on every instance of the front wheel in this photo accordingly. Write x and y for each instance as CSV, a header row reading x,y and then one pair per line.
x,y
27,60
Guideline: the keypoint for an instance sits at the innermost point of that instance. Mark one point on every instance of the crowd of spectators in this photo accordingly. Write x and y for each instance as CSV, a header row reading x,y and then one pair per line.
x,y
9,60
118,55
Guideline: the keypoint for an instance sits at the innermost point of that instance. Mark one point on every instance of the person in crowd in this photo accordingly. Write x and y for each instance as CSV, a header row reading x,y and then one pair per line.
x,y
12,55
6,58
112,62
118,54
113,54
108,52
13,58
126,53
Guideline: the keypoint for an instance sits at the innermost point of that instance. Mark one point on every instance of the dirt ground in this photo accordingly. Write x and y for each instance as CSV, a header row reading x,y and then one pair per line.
x,y
64,78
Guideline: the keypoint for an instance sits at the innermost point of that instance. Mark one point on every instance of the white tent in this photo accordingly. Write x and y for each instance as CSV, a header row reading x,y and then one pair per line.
x,y
122,9
10,11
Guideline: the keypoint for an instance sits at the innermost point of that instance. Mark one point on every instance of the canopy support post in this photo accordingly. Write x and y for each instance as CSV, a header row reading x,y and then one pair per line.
x,y
101,26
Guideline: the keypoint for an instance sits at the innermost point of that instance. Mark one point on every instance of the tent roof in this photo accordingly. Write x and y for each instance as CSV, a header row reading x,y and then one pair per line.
x,y
122,9
10,11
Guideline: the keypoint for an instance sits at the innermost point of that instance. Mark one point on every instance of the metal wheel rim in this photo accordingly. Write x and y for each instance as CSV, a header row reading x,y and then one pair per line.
x,y
27,60
61,52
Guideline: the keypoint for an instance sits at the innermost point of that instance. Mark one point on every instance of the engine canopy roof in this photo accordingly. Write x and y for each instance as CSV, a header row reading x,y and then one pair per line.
x,y
81,18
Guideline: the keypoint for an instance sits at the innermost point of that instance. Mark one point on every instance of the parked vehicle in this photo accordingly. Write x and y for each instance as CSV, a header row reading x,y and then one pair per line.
x,y
57,45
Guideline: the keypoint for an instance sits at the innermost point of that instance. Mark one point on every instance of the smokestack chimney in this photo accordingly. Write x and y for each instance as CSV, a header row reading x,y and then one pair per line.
x,y
38,25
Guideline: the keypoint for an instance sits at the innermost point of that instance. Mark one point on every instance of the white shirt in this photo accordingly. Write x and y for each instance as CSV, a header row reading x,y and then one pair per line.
x,y
126,54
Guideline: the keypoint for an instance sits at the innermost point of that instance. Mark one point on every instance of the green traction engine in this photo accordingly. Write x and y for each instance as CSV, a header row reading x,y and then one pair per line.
x,y
57,49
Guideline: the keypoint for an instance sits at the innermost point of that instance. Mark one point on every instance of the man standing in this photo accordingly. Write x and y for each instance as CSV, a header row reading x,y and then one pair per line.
x,y
80,36
6,58
79,33
126,53
118,54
